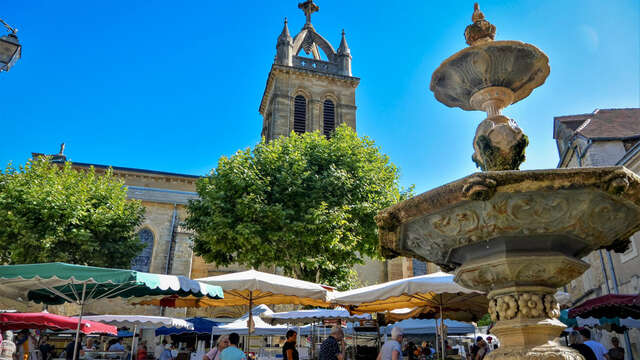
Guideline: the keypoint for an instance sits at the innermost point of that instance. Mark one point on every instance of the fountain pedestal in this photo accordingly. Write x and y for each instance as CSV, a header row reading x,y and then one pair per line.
x,y
518,236
526,317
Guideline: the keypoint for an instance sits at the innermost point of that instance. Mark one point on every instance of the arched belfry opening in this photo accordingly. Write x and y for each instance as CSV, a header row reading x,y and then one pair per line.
x,y
305,69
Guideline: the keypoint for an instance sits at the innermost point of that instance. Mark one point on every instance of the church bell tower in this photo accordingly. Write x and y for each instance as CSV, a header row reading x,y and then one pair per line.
x,y
308,93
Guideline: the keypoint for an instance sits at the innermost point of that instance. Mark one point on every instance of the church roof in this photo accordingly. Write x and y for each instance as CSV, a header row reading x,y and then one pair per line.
x,y
136,170
602,124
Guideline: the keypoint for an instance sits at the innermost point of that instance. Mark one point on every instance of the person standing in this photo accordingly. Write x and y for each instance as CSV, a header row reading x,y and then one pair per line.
x,y
232,352
392,349
330,348
166,352
7,347
289,351
214,353
70,349
598,349
117,346
617,351
46,349
25,344
575,342
483,350
141,354
159,349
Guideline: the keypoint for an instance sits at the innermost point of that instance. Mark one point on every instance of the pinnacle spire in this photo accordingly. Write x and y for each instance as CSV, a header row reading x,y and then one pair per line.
x,y
285,35
344,47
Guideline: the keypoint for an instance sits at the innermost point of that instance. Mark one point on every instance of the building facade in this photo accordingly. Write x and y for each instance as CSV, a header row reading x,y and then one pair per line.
x,y
607,137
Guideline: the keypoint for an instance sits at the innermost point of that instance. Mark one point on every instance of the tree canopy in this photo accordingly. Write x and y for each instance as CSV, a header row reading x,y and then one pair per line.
x,y
52,212
304,203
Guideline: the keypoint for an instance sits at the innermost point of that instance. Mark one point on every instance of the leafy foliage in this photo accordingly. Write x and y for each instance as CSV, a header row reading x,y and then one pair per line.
x,y
52,212
485,320
303,203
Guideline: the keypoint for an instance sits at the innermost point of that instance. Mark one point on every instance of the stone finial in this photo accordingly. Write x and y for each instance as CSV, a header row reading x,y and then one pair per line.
x,y
61,149
285,35
477,14
343,49
308,7
481,31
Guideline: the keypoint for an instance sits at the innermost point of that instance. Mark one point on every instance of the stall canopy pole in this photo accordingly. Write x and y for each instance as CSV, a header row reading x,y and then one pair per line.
x,y
442,329
211,341
437,341
82,301
133,340
250,328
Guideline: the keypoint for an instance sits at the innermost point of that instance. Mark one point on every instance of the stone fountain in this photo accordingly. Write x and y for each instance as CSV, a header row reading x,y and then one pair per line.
x,y
517,235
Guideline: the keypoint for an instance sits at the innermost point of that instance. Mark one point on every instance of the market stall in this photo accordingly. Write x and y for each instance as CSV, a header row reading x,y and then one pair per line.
x,y
251,287
136,322
59,283
428,296
314,317
45,320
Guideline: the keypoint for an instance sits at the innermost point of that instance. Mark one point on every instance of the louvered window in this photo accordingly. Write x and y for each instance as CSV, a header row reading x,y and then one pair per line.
x,y
300,114
329,117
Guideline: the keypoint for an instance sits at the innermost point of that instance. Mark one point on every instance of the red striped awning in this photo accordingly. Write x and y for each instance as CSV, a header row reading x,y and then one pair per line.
x,y
44,320
609,306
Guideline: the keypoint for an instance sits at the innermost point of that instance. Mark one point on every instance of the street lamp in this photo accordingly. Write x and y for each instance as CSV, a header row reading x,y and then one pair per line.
x,y
10,48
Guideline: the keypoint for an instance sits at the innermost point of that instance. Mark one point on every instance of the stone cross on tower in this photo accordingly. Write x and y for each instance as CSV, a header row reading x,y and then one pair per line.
x,y
308,7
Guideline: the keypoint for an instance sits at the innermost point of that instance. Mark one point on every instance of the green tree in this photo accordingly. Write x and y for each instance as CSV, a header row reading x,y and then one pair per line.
x,y
485,320
51,212
303,203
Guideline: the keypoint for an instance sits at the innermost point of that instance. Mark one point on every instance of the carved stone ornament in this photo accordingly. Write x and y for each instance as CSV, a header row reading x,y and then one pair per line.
x,y
481,30
617,183
592,216
550,351
496,272
499,144
479,188
527,305
507,307
551,306
531,306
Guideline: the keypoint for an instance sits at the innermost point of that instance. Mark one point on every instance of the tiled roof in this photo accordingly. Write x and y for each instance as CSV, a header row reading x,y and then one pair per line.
x,y
604,123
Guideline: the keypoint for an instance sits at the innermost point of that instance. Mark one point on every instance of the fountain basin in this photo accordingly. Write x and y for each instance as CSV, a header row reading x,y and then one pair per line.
x,y
514,65
569,212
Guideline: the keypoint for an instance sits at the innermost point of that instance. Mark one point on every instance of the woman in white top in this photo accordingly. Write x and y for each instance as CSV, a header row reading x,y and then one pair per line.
x,y
214,354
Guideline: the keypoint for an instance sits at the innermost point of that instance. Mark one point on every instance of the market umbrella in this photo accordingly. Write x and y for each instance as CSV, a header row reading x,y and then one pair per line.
x,y
260,327
45,320
58,283
300,317
132,321
609,306
200,326
435,293
430,326
429,296
303,317
253,287
137,321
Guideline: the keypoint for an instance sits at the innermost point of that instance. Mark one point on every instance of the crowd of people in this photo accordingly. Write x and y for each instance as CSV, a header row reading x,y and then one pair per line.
x,y
227,348
593,350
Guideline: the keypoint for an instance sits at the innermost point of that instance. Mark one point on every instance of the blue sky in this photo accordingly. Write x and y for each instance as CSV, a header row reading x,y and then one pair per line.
x,y
172,86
